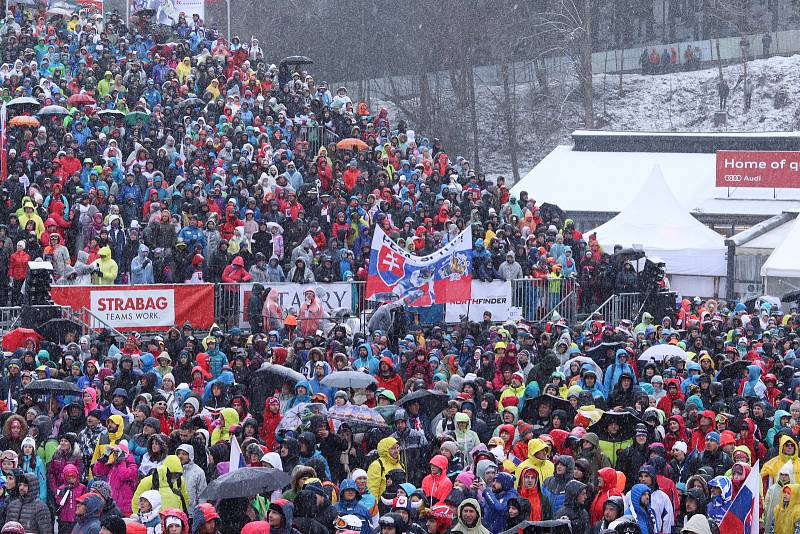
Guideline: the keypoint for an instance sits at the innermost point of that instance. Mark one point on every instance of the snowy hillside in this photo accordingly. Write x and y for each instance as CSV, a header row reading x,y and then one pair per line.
x,y
682,101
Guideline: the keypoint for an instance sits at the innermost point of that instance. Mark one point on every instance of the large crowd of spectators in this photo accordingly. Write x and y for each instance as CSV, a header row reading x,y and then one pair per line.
x,y
200,160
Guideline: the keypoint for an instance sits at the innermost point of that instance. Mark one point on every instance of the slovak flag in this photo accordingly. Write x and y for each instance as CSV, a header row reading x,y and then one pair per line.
x,y
742,516
445,276
236,458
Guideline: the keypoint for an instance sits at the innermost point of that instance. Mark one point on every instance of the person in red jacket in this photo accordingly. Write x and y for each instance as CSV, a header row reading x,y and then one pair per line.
x,y
675,431
607,478
272,418
18,270
351,175
747,430
436,485
707,423
388,377
420,367
227,228
673,386
235,272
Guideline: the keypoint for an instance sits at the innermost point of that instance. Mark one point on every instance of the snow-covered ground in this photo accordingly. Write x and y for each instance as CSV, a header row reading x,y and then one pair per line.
x,y
681,101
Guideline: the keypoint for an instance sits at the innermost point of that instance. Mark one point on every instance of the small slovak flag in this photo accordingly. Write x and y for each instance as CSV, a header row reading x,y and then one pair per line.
x,y
236,458
742,516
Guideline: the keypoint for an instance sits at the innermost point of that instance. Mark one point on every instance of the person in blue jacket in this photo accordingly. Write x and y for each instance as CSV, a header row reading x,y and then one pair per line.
x,y
366,359
308,450
640,509
495,502
693,369
589,381
614,372
349,503
320,371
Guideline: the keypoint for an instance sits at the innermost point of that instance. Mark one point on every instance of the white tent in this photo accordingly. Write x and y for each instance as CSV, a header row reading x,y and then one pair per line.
x,y
784,262
657,221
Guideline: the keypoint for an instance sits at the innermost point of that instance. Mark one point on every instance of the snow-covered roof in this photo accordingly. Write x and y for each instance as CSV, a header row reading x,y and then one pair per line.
x,y
783,262
656,219
708,135
769,240
608,181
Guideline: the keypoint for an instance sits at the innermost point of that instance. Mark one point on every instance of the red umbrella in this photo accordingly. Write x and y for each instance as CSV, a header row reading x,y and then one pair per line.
x,y
81,99
19,337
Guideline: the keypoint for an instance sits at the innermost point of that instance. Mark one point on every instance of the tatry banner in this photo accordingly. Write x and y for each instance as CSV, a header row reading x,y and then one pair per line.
x,y
494,297
332,296
439,278
146,307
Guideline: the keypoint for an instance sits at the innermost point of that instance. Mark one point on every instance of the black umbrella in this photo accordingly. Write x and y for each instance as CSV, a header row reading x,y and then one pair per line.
x,y
531,409
277,375
548,211
57,329
348,379
553,526
793,296
296,60
627,426
430,402
191,102
245,482
604,353
51,385
732,371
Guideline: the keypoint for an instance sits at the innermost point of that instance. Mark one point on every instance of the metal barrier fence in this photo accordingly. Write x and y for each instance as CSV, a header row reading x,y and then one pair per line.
x,y
621,306
316,137
538,300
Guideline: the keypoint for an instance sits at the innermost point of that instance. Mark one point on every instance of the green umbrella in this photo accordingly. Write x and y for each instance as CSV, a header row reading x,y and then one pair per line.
x,y
134,116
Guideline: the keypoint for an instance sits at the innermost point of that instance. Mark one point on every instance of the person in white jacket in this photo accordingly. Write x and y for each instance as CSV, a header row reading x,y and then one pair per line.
x,y
193,474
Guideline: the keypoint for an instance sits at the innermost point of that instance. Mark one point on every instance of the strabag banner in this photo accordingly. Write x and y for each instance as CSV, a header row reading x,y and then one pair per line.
x,y
291,296
741,168
440,278
166,11
145,307
494,297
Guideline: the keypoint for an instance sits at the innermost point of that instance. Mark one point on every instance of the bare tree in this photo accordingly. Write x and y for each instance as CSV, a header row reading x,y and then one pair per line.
x,y
570,22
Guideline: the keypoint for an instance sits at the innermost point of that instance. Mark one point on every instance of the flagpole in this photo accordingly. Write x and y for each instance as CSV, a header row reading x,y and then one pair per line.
x,y
3,147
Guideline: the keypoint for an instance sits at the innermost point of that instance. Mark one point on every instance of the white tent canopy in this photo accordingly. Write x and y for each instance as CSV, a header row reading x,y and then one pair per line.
x,y
657,221
784,262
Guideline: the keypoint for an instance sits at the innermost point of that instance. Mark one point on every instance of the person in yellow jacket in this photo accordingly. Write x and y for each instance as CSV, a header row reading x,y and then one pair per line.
x,y
29,214
537,459
388,459
787,452
104,85
775,494
115,427
107,268
230,417
170,483
183,69
787,511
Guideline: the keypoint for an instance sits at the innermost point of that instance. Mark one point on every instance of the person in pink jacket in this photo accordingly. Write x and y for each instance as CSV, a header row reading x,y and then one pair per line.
x,y
67,498
121,476
66,454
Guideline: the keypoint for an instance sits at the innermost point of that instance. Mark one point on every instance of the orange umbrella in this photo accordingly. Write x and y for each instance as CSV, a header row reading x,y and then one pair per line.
x,y
24,120
351,143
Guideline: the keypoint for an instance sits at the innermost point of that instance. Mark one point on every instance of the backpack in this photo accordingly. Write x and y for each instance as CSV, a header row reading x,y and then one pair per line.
x,y
156,484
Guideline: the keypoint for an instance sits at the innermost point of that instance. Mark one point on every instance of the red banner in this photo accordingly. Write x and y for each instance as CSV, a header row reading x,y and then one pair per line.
x,y
145,307
758,169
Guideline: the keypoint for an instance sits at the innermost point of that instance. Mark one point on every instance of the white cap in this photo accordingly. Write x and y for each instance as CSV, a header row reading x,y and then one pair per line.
x,y
680,446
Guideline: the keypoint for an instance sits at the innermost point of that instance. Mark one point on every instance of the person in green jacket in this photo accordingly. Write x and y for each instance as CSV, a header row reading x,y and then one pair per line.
x,y
612,441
